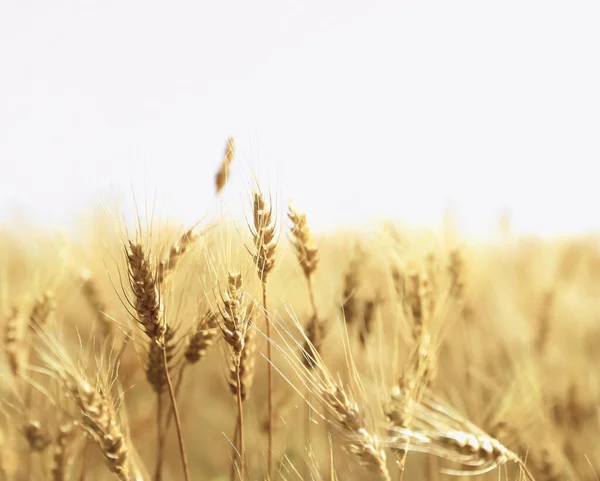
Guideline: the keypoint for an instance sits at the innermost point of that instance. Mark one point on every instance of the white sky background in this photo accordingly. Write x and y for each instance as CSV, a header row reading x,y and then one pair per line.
x,y
355,109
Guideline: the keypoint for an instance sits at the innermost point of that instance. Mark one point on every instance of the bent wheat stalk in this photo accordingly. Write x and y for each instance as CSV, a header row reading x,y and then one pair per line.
x,y
439,431
341,410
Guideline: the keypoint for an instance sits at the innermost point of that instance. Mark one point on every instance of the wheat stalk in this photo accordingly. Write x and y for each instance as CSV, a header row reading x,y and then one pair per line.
x,y
265,243
235,326
307,255
150,316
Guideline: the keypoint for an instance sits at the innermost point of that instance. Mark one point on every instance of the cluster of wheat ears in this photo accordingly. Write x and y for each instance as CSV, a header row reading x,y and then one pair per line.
x,y
265,352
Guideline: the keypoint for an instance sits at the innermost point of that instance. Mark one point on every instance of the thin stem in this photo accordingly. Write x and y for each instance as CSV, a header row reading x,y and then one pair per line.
x,y
307,434
170,413
161,439
235,443
29,403
240,423
269,383
184,461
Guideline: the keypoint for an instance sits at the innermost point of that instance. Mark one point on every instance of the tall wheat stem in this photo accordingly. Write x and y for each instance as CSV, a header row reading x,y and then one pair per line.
x,y
240,425
182,450
269,382
161,438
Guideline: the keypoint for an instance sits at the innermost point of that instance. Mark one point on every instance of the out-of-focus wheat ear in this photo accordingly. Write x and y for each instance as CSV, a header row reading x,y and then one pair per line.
x,y
36,436
581,407
456,272
415,302
311,349
155,369
11,341
369,312
350,305
60,458
146,295
94,299
177,250
549,464
246,367
41,311
202,338
399,281
544,321
222,175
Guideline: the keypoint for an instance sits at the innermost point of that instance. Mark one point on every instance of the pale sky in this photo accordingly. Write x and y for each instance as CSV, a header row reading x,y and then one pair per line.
x,y
354,109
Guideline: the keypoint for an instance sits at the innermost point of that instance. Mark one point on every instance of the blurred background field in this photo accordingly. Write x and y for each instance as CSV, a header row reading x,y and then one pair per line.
x,y
511,346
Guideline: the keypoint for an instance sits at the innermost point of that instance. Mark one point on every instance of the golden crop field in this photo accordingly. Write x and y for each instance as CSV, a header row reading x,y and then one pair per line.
x,y
261,350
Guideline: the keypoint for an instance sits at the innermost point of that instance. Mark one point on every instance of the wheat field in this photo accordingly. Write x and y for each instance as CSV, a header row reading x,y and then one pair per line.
x,y
261,350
